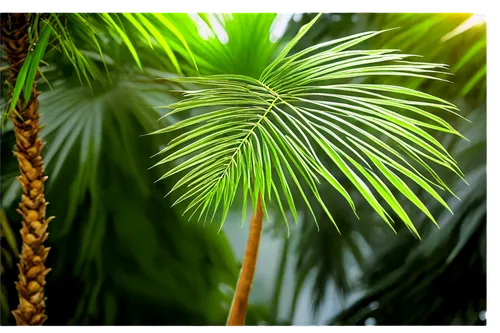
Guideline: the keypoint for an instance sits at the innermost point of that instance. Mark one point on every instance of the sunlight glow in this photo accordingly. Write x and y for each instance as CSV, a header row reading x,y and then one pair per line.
x,y
203,29
482,315
216,20
279,26
297,17
374,305
474,20
219,28
370,321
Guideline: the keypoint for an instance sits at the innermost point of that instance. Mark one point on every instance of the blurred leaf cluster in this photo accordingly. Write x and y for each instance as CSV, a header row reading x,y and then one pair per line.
x,y
397,280
120,254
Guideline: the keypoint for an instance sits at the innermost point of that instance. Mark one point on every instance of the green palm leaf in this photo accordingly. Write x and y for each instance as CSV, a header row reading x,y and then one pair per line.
x,y
220,42
72,34
275,132
402,271
462,44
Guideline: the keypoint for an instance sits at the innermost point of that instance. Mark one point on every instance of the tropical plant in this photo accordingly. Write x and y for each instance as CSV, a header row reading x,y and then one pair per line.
x,y
15,36
219,42
451,32
26,38
427,275
121,252
457,39
331,259
95,145
272,133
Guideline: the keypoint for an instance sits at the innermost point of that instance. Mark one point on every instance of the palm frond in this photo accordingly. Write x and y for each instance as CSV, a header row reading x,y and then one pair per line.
x,y
220,42
417,283
73,34
94,147
265,133
462,45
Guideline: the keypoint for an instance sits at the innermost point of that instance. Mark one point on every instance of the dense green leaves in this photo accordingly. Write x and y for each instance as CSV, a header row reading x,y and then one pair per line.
x,y
74,33
236,43
276,131
121,248
93,148
421,283
133,249
465,32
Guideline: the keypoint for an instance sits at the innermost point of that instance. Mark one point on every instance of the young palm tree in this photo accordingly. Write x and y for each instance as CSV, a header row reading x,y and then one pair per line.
x,y
16,40
278,132
26,38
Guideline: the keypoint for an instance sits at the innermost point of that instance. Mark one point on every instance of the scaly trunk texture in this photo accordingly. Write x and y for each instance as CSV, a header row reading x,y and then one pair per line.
x,y
32,270
239,307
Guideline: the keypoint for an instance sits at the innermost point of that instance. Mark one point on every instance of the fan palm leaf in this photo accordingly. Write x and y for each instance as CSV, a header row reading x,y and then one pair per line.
x,y
220,42
26,38
270,134
114,246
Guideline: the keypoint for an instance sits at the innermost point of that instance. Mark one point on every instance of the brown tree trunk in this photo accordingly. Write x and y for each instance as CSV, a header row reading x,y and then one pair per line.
x,y
32,270
239,307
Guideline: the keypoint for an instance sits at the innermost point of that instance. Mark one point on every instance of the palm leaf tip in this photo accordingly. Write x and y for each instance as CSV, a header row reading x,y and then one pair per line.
x,y
302,122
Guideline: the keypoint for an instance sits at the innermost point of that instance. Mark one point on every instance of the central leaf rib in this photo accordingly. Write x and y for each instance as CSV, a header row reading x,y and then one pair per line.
x,y
245,139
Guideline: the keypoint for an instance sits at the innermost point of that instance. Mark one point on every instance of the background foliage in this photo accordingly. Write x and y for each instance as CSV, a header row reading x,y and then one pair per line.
x,y
122,256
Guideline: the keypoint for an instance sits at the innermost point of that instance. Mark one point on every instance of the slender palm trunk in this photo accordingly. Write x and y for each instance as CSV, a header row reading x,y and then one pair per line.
x,y
32,270
239,307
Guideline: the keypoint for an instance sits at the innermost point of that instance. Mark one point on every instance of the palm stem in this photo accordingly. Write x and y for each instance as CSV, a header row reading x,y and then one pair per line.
x,y
239,306
32,270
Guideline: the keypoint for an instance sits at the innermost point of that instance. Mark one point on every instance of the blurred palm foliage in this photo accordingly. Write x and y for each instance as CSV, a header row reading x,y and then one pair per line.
x,y
227,43
122,256
401,280
422,283
74,33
